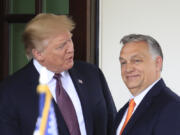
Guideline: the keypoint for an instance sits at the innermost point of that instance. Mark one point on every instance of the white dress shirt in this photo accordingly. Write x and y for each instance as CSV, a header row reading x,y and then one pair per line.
x,y
137,100
69,88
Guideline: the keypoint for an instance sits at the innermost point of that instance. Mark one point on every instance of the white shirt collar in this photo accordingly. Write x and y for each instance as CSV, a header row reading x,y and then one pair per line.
x,y
140,97
64,73
50,74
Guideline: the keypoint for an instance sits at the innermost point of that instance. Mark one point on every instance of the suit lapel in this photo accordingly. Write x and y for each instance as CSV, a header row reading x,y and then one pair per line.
x,y
144,105
119,117
81,87
136,115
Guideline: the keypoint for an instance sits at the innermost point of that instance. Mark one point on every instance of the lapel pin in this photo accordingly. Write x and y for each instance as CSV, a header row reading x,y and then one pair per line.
x,y
80,81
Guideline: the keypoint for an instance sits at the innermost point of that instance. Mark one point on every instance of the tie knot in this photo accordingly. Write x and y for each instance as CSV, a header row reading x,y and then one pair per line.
x,y
132,103
57,76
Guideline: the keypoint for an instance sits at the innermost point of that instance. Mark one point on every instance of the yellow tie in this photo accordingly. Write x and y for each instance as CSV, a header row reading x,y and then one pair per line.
x,y
129,113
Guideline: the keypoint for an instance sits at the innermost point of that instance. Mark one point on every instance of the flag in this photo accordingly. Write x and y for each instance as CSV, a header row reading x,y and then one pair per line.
x,y
46,122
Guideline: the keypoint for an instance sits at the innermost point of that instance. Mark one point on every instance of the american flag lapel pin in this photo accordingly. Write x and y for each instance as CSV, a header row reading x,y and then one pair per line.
x,y
80,81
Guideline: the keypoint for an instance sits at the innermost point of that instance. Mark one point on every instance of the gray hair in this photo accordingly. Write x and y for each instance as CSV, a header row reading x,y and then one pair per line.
x,y
154,47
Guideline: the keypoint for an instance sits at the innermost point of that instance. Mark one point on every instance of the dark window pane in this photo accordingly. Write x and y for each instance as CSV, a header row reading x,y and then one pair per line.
x,y
17,57
22,6
56,6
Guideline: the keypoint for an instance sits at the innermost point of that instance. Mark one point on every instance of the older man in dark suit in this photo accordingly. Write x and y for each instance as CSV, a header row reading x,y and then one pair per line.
x,y
153,109
47,39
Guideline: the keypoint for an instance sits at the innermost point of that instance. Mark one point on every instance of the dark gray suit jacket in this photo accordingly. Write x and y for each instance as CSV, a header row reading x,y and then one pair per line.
x,y
157,114
19,101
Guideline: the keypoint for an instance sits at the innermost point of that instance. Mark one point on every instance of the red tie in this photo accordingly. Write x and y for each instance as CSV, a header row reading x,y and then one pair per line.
x,y
129,114
66,107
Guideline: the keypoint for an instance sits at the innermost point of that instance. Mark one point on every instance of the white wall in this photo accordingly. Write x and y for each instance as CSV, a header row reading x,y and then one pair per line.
x,y
158,18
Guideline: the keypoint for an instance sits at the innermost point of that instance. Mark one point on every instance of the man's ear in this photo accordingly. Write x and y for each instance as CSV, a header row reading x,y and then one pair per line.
x,y
159,63
37,55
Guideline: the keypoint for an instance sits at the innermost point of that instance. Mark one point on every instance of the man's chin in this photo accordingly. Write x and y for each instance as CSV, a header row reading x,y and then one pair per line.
x,y
70,65
131,86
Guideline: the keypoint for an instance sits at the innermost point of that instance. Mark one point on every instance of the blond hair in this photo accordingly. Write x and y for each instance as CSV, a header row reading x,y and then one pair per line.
x,y
44,26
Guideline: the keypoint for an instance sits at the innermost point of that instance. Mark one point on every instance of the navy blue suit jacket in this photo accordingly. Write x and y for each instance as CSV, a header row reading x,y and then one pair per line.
x,y
19,101
157,114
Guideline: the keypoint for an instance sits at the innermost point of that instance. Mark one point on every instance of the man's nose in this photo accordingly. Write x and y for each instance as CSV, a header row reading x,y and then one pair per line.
x,y
129,67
